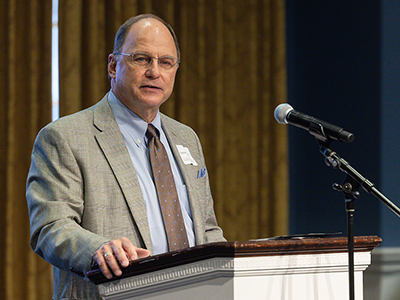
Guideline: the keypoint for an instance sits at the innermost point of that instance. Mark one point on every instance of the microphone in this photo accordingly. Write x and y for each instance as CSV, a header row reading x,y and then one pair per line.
x,y
285,114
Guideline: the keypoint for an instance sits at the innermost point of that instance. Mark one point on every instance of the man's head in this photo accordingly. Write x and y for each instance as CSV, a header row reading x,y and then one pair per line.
x,y
139,79
124,29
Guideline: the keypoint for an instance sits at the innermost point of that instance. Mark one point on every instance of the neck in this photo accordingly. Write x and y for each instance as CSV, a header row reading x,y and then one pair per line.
x,y
146,113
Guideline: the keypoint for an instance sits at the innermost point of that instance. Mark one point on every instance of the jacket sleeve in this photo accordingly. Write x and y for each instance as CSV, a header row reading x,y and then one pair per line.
x,y
55,197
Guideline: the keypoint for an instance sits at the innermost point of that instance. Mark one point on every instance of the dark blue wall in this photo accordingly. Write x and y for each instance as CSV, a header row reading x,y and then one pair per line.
x,y
343,67
390,121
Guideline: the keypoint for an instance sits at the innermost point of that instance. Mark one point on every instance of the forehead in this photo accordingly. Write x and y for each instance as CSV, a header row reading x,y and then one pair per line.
x,y
150,35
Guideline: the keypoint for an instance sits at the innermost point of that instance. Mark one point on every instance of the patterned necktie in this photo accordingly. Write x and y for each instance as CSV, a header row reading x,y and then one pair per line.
x,y
166,191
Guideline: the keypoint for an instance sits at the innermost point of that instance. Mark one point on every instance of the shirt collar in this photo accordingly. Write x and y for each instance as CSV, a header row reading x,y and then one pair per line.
x,y
126,118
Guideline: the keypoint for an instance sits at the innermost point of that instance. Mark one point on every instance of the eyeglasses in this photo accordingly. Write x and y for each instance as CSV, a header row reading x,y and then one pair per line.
x,y
145,60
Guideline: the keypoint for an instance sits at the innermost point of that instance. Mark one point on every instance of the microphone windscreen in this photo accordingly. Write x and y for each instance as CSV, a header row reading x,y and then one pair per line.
x,y
281,112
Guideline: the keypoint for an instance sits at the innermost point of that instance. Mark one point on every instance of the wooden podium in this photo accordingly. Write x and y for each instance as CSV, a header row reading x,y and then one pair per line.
x,y
298,269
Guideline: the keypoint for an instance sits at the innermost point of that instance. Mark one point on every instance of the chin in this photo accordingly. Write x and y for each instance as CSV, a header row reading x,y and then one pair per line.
x,y
151,103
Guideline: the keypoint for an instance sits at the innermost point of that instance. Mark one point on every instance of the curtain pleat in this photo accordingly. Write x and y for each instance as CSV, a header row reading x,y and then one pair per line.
x,y
25,82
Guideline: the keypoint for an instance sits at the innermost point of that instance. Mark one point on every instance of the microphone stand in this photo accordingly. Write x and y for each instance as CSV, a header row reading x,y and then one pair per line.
x,y
350,187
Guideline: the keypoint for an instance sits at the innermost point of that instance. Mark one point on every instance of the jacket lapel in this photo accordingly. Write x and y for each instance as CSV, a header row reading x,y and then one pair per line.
x,y
113,146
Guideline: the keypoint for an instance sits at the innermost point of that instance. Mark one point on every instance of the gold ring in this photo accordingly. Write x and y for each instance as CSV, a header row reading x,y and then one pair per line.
x,y
106,254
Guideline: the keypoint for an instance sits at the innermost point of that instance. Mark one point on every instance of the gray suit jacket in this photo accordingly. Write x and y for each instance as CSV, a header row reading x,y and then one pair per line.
x,y
82,191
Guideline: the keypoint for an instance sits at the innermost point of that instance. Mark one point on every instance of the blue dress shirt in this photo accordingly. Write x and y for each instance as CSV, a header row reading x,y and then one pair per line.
x,y
133,129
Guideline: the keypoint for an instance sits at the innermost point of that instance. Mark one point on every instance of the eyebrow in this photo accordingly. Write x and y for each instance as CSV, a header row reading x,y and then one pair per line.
x,y
145,53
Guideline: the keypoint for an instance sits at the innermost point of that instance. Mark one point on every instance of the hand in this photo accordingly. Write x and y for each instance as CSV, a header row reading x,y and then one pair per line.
x,y
117,252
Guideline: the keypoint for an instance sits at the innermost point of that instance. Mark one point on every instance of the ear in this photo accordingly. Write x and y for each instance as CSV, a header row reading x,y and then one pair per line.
x,y
112,66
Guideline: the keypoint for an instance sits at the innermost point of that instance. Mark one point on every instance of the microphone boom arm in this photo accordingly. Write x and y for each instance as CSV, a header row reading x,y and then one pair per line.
x,y
334,160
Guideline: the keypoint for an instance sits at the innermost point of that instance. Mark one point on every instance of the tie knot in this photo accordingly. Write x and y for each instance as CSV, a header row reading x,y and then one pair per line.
x,y
151,132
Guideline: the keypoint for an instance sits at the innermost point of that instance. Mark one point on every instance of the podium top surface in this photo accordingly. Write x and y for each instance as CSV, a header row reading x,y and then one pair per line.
x,y
238,249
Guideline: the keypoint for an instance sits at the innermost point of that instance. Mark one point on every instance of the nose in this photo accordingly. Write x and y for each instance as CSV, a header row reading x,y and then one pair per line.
x,y
153,70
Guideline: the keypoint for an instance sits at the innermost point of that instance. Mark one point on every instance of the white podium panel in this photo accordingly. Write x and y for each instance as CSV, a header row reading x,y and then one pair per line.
x,y
297,277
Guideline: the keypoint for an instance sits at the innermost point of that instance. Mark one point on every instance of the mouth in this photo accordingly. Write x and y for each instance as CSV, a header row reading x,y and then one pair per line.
x,y
149,86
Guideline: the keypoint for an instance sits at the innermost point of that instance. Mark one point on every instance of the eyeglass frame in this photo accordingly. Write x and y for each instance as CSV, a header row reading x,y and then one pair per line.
x,y
152,59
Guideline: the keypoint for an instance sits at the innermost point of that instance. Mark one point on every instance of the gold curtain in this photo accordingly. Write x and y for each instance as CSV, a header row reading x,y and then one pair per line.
x,y
25,84
232,76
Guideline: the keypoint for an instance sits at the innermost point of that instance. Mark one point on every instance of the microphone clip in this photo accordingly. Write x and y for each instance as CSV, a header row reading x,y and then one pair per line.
x,y
331,158
317,130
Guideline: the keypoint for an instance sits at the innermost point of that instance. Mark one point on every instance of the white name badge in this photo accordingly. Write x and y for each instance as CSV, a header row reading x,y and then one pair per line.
x,y
186,156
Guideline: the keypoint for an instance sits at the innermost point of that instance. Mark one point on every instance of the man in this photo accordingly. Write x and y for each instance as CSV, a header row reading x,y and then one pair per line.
x,y
90,190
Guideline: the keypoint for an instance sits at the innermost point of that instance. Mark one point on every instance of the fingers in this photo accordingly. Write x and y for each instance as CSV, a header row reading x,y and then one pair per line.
x,y
119,251
101,257
116,253
142,252
111,263
133,252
